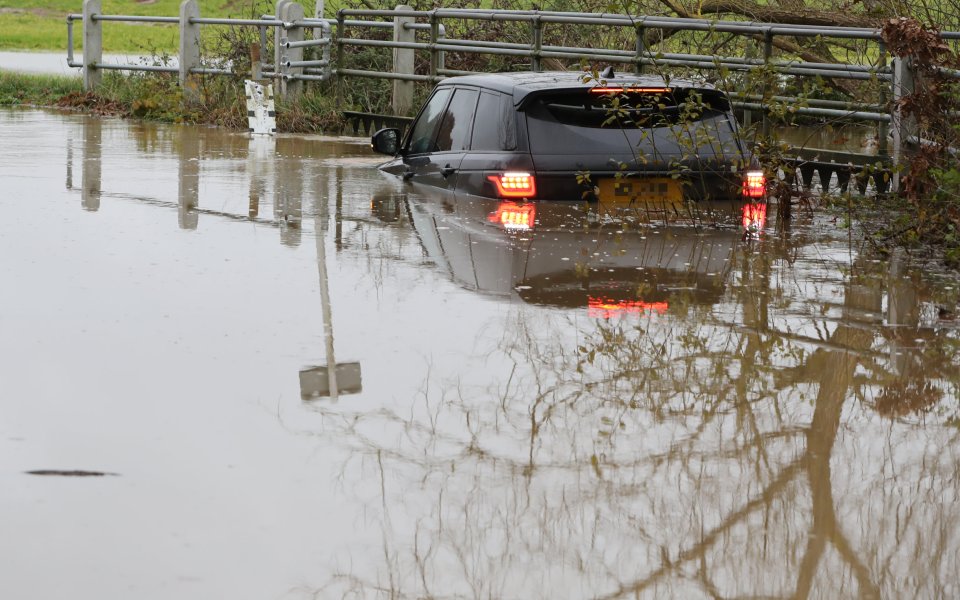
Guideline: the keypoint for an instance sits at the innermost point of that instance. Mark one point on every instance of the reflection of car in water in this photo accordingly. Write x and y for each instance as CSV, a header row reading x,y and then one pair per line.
x,y
559,136
559,254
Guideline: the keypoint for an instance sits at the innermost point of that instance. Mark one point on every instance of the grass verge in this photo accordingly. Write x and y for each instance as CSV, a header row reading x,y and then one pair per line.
x,y
159,98
40,90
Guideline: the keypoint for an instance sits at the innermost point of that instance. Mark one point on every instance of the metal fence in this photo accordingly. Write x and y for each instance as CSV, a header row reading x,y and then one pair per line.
x,y
424,32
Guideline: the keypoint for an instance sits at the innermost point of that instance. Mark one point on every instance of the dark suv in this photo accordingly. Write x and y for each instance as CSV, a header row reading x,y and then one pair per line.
x,y
566,136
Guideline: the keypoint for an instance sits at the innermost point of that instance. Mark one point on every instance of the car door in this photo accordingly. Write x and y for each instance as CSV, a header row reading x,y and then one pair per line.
x,y
440,138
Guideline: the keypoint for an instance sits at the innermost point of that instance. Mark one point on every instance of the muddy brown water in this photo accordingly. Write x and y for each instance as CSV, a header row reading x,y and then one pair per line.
x,y
591,407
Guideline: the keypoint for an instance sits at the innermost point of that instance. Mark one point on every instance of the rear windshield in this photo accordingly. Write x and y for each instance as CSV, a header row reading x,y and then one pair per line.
x,y
611,116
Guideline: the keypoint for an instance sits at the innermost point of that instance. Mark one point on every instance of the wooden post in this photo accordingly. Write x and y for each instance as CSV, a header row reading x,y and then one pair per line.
x,y
189,50
92,45
256,64
403,63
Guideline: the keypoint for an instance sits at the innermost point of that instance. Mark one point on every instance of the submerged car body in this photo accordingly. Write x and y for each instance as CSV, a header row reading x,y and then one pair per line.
x,y
564,136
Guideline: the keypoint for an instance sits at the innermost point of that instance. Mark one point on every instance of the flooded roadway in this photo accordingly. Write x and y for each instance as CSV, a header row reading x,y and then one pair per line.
x,y
553,405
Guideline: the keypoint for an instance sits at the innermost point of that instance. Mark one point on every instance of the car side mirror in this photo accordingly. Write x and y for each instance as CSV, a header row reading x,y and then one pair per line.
x,y
386,141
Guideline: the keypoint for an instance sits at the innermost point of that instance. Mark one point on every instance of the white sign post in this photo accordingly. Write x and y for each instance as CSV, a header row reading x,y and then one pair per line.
x,y
261,114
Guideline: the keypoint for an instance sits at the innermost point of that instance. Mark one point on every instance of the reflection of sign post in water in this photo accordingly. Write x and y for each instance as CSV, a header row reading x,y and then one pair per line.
x,y
331,379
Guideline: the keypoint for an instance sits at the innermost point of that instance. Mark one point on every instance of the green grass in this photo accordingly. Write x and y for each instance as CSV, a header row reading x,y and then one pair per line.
x,y
19,89
41,25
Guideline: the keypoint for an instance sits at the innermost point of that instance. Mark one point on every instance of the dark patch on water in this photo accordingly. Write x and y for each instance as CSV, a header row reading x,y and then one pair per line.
x,y
74,473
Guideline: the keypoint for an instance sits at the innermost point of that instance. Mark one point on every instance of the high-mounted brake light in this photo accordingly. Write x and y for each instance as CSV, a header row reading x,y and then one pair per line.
x,y
514,185
754,184
514,216
620,90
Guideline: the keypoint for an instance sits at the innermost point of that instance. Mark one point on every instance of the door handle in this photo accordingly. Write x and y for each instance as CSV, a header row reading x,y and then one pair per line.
x,y
447,171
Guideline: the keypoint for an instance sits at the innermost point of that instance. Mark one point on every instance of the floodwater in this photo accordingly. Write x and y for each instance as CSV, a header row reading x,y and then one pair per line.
x,y
551,404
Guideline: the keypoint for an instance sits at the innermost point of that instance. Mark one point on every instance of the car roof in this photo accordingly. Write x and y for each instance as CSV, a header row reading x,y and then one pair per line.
x,y
521,85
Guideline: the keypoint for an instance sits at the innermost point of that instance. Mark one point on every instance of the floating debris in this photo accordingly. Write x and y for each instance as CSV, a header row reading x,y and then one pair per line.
x,y
75,473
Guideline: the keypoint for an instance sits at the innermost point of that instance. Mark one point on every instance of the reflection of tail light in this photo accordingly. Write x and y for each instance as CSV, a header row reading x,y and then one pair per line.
x,y
514,185
755,215
514,216
604,308
754,184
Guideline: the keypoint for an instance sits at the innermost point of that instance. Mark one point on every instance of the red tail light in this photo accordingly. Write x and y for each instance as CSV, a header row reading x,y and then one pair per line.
x,y
755,215
514,216
754,184
514,185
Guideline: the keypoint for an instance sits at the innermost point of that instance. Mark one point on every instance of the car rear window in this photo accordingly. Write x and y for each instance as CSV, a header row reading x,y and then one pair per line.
x,y
557,121
494,129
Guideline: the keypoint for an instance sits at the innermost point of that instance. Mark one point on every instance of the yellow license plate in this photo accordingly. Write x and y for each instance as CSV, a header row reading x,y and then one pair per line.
x,y
640,191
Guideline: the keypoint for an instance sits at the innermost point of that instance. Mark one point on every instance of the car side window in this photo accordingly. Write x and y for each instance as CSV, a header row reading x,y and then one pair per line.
x,y
454,134
493,129
423,134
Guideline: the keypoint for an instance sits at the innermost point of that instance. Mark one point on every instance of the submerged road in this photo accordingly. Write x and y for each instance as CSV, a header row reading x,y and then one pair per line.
x,y
554,403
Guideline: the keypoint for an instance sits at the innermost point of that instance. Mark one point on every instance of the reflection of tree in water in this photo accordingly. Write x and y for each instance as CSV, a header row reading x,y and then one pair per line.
x,y
719,452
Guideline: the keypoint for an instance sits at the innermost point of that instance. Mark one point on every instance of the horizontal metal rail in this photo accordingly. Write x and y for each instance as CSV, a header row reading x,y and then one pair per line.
x,y
129,67
813,102
387,75
306,63
544,17
211,71
236,22
821,112
305,77
305,43
136,19
836,70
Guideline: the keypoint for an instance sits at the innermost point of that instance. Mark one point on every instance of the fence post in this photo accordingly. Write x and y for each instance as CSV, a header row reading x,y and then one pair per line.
x,y
278,35
903,127
641,47
441,56
292,88
189,50
767,54
92,45
883,148
403,62
434,52
536,44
